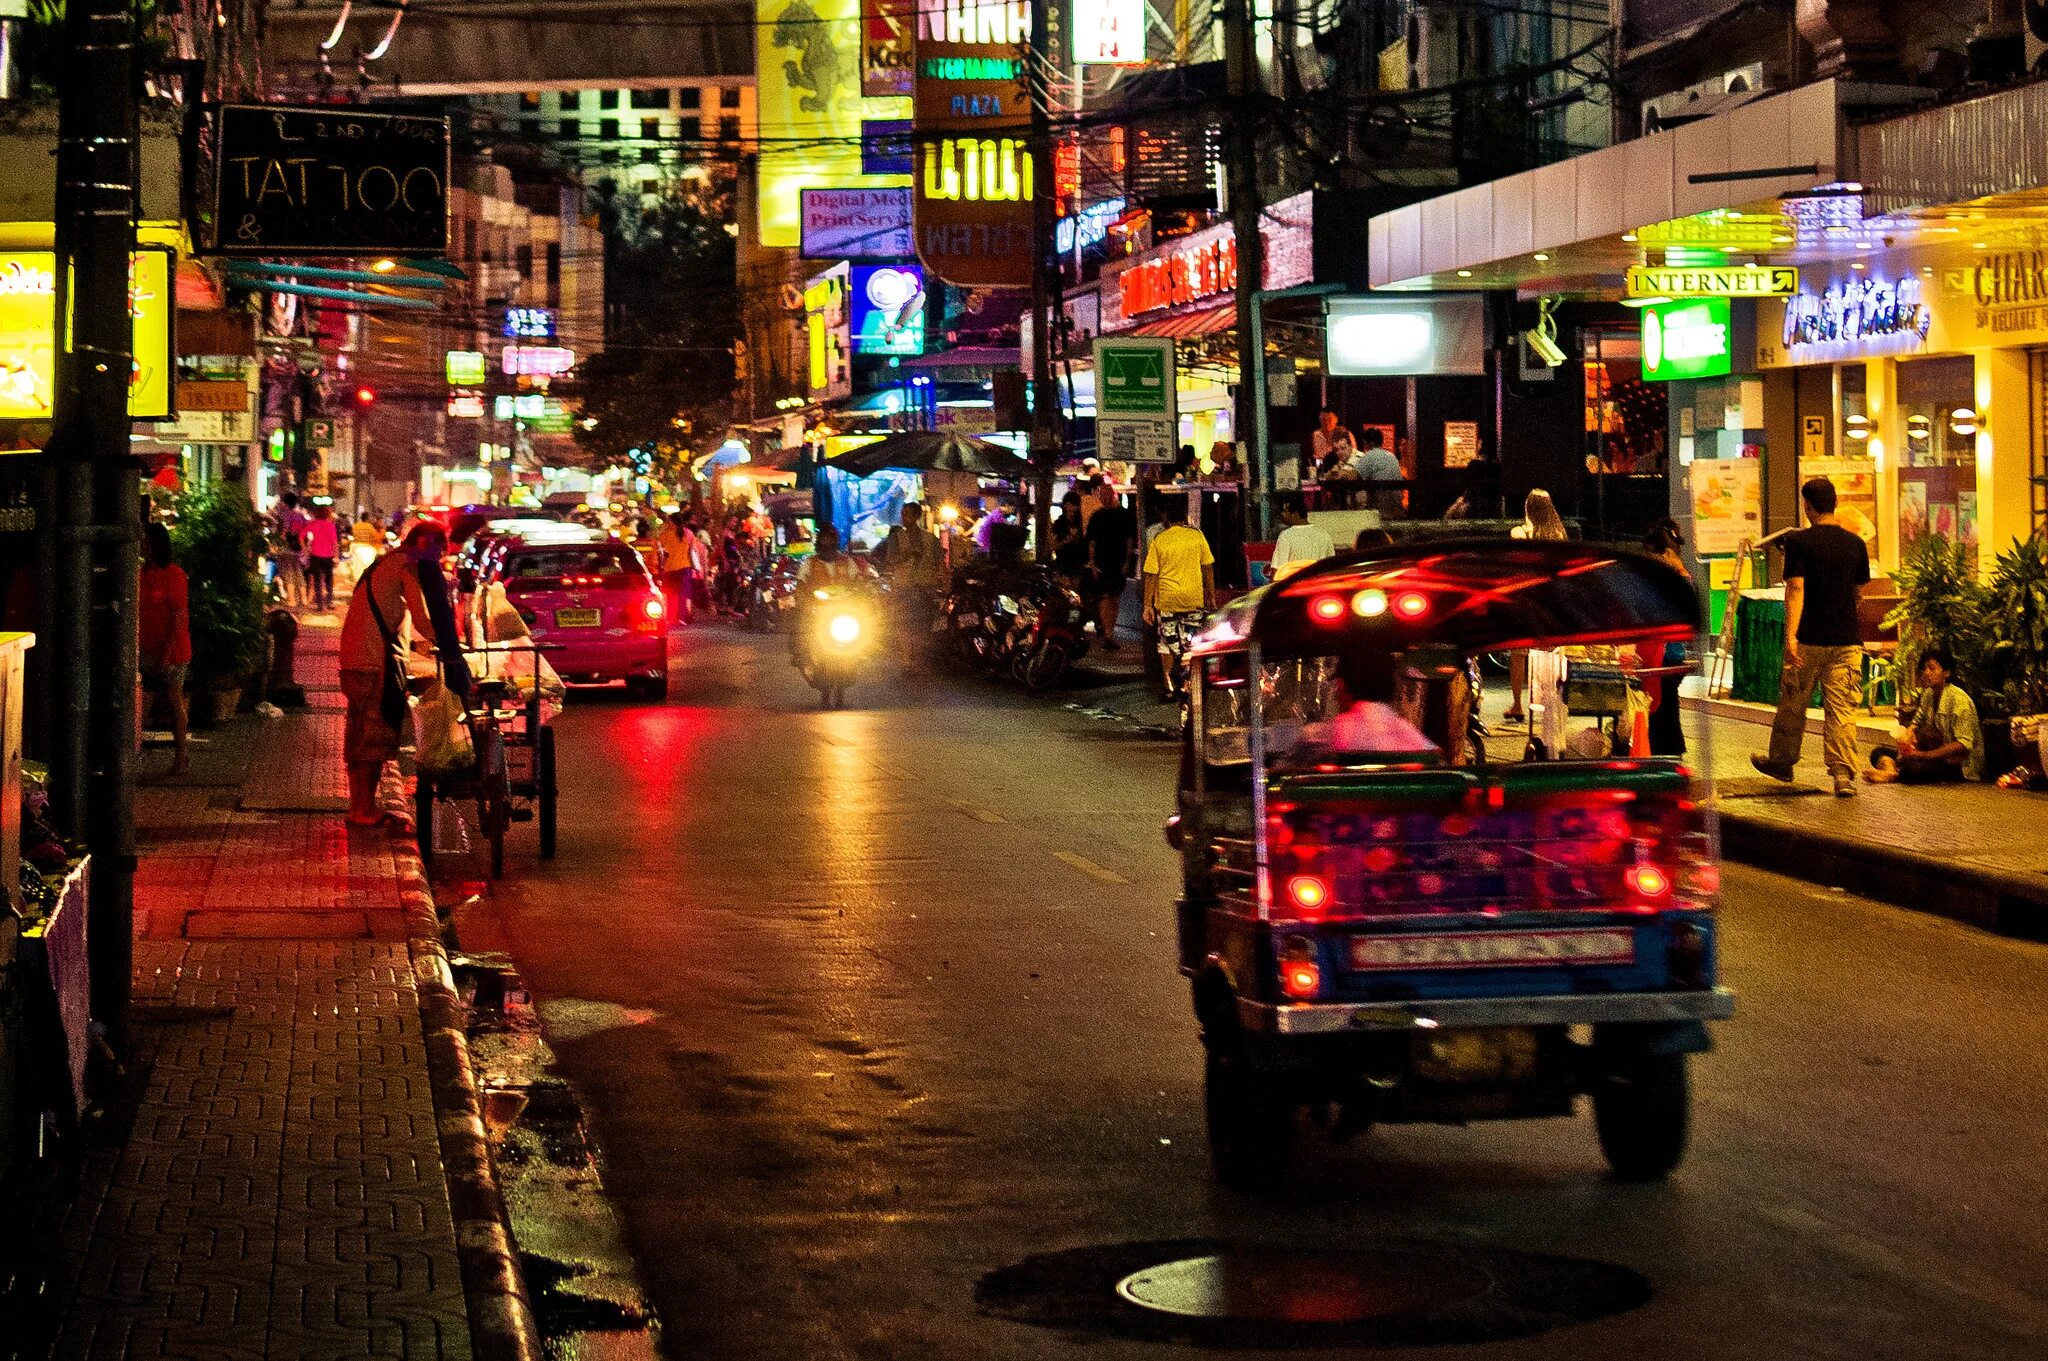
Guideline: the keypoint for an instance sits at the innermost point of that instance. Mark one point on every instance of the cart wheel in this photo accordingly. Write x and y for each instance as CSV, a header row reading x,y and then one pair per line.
x,y
423,816
1250,1121
1642,1112
493,796
544,786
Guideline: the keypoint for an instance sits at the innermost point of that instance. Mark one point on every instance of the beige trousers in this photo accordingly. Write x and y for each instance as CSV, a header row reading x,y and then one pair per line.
x,y
1839,673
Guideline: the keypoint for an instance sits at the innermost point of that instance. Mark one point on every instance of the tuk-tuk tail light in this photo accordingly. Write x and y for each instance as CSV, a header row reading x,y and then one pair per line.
x,y
1649,881
1301,977
1308,892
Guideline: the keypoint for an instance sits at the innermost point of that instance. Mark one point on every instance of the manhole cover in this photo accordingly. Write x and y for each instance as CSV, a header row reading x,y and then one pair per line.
x,y
1291,1287
1386,1293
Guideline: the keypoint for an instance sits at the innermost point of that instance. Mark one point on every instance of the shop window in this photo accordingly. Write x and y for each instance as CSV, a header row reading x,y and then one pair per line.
x,y
1938,453
689,97
650,129
571,129
608,129
649,155
569,99
650,99
729,128
729,97
2037,365
530,100
608,99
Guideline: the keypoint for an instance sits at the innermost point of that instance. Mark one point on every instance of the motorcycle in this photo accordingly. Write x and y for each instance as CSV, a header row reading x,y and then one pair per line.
x,y
973,616
1054,636
771,595
837,632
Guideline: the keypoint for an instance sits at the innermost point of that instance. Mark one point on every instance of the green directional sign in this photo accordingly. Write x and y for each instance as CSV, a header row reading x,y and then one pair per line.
x,y
1136,405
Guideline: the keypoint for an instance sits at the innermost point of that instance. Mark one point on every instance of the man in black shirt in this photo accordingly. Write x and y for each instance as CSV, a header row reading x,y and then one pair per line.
x,y
1825,569
1111,533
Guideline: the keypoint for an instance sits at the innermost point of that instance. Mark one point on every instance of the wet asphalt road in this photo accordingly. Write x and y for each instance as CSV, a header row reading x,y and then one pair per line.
x,y
867,1004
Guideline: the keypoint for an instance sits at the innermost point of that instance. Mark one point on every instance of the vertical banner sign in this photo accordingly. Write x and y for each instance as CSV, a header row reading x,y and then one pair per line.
x,y
827,334
972,190
885,67
1136,399
808,77
1109,32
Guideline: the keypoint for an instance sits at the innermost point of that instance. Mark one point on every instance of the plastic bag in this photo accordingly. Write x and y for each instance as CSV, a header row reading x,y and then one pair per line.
x,y
499,621
441,742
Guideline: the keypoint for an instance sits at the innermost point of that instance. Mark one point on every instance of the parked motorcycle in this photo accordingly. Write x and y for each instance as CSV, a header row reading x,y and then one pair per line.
x,y
1055,636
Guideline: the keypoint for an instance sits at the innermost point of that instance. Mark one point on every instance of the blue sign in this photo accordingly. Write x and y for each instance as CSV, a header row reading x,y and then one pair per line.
x,y
1086,227
885,147
529,323
888,309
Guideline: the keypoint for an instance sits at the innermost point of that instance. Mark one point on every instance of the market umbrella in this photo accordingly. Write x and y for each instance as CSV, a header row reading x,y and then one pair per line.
x,y
931,451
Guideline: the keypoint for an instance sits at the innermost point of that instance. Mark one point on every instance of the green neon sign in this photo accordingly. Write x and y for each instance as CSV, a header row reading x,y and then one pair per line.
x,y
1689,338
969,68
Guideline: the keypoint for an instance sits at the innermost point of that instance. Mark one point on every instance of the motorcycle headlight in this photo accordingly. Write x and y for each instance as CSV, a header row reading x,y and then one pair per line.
x,y
844,629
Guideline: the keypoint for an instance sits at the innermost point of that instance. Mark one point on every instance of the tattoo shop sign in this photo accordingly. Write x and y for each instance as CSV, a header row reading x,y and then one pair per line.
x,y
329,181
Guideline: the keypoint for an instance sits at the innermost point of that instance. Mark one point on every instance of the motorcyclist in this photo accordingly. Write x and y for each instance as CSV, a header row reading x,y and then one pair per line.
x,y
913,565
825,569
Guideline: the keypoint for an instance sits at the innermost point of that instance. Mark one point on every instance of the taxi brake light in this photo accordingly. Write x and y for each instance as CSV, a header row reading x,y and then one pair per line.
x,y
1327,609
1411,604
1301,978
1308,892
653,608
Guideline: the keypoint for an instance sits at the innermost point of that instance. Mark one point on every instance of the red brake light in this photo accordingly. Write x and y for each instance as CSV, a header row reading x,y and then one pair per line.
x,y
1411,604
1308,892
653,608
1328,609
1648,881
1301,978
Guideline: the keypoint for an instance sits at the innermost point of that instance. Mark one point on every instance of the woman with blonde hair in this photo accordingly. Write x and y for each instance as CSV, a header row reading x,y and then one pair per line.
x,y
1540,520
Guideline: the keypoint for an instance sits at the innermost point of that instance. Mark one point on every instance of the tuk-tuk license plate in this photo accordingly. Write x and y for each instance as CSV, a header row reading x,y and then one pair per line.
x,y
578,619
1494,949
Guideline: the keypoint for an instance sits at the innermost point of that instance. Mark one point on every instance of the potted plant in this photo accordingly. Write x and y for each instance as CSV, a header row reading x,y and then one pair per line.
x,y
1941,604
218,540
2013,666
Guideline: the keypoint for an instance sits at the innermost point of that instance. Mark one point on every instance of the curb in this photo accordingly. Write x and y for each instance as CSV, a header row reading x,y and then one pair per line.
x,y
501,1321
2009,904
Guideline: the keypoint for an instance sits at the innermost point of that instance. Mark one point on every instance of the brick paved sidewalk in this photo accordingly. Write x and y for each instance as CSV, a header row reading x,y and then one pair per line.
x,y
282,1190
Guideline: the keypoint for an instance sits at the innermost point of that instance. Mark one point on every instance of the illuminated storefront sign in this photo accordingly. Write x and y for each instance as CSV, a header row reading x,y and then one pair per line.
x,y
888,309
972,190
529,323
1396,336
1852,311
538,361
468,406
885,47
28,351
1727,281
826,336
1204,268
467,367
1108,32
809,60
1687,339
1087,227
526,406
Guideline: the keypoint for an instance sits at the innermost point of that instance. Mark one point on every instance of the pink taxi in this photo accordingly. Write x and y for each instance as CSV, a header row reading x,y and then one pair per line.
x,y
594,604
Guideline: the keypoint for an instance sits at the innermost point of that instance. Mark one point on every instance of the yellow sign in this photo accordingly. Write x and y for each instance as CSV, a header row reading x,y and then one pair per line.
x,y
28,344
808,77
1723,281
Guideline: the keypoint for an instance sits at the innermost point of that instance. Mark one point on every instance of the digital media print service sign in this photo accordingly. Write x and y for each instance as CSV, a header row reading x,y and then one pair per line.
x,y
1136,399
856,224
329,181
1687,339
888,309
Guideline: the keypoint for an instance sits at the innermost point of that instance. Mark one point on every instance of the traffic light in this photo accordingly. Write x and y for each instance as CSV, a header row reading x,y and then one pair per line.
x,y
366,397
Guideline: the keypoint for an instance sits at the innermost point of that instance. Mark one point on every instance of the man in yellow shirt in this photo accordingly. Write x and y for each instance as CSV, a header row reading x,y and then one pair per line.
x,y
1180,587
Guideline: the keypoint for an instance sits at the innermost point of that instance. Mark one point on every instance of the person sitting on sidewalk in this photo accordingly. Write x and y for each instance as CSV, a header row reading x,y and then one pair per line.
x,y
1825,567
1300,543
1945,743
404,582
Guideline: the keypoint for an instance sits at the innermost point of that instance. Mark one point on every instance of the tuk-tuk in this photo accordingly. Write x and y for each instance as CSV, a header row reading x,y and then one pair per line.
x,y
1391,914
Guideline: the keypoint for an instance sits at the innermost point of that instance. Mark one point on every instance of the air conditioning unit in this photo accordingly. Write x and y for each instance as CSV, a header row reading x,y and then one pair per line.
x,y
1704,99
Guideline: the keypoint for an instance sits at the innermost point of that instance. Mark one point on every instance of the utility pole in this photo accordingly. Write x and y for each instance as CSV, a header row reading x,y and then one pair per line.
x,y
1241,73
1045,441
93,633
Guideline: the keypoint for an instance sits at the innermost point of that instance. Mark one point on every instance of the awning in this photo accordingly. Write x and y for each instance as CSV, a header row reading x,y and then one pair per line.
x,y
968,357
1208,321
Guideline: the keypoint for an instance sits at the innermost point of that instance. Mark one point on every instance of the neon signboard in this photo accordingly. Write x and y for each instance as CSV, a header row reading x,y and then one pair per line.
x,y
1852,311
888,309
466,368
1687,339
529,323
28,349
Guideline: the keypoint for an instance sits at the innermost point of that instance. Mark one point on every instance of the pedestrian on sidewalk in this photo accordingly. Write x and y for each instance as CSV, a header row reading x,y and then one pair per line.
x,y
1825,568
672,547
1945,742
323,545
1300,543
1662,660
287,549
405,583
164,617
1540,520
1180,588
1112,534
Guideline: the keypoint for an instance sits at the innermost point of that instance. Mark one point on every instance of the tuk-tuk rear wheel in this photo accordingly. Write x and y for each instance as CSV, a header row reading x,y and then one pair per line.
x,y
1642,1112
1250,1121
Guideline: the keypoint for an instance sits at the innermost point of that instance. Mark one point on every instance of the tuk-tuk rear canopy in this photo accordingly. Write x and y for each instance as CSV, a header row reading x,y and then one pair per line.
x,y
1476,595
